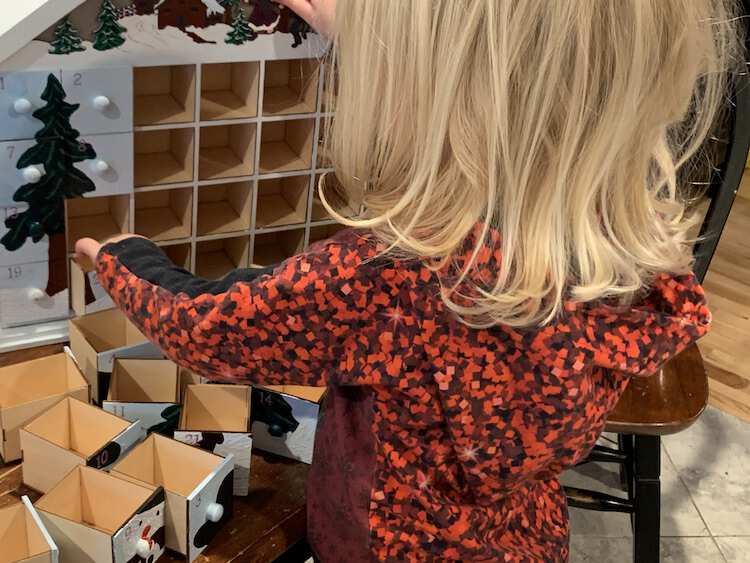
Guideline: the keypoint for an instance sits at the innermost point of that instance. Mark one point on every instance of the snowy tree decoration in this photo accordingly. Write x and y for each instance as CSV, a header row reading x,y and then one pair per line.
x,y
241,31
109,33
67,40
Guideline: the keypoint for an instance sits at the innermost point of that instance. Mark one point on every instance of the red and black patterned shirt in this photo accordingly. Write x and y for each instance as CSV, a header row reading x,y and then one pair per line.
x,y
437,441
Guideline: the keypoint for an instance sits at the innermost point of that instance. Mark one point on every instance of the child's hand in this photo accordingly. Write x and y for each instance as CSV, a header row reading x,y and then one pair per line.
x,y
319,14
87,249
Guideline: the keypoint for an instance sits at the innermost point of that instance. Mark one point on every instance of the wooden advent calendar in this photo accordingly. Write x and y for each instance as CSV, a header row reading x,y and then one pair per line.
x,y
205,118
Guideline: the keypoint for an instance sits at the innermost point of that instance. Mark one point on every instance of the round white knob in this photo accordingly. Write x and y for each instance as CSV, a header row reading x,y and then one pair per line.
x,y
36,294
32,174
142,548
102,102
22,105
214,512
100,166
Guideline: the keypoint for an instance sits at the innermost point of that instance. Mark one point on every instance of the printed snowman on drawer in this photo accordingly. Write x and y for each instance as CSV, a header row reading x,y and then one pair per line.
x,y
142,539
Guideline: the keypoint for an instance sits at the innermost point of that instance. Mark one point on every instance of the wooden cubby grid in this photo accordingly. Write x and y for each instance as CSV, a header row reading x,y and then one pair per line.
x,y
219,219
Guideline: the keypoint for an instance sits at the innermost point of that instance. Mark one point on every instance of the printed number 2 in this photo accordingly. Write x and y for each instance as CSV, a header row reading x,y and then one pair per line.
x,y
14,272
77,79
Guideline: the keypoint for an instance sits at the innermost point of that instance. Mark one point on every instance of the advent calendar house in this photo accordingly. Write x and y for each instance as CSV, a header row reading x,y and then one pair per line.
x,y
192,122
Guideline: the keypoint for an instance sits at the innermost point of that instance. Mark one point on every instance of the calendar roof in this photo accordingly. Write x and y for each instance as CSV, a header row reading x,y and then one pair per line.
x,y
23,20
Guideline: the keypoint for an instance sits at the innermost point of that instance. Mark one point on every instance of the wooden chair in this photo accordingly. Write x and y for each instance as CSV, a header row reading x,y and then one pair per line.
x,y
651,407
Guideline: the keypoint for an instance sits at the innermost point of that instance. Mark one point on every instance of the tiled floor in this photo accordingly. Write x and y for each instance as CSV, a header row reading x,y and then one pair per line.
x,y
705,499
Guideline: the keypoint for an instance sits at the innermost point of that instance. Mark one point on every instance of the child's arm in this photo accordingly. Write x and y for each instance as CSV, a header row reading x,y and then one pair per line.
x,y
284,327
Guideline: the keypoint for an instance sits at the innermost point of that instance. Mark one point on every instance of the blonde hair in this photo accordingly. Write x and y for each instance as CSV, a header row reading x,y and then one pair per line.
x,y
563,124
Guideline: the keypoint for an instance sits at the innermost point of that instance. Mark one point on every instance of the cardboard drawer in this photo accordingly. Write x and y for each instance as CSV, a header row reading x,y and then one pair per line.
x,y
197,484
73,433
30,388
97,517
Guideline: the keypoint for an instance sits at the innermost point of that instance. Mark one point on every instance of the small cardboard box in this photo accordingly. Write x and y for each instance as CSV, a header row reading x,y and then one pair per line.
x,y
86,294
285,419
216,418
197,485
147,392
23,537
96,517
30,388
73,433
97,339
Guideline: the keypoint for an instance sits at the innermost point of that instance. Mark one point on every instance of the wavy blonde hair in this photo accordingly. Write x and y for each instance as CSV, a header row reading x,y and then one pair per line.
x,y
563,124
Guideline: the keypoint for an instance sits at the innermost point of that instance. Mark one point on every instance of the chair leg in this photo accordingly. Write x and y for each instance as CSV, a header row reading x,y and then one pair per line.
x,y
625,445
647,497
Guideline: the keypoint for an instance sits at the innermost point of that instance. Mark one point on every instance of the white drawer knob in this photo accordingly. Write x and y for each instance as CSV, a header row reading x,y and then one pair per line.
x,y
102,102
214,512
23,106
142,548
32,174
36,294
101,167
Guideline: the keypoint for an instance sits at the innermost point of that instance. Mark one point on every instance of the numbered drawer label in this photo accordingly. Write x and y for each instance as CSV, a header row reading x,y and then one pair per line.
x,y
20,96
112,169
24,276
105,96
11,178
29,252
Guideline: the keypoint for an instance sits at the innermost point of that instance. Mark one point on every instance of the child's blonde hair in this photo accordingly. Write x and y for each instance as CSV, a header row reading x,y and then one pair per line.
x,y
561,123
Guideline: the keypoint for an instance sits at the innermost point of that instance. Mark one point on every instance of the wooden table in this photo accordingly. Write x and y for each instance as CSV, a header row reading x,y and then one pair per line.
x,y
265,524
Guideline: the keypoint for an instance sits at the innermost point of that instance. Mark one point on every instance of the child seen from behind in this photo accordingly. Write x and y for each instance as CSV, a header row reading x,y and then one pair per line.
x,y
521,255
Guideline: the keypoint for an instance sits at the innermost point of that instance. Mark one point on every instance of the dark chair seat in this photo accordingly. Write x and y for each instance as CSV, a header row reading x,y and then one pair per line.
x,y
665,403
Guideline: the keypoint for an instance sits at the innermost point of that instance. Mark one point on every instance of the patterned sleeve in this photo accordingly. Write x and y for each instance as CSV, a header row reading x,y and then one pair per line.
x,y
639,340
279,327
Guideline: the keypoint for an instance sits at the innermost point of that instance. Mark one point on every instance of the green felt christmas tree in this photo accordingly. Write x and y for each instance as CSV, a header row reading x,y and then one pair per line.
x,y
241,31
109,33
57,150
67,40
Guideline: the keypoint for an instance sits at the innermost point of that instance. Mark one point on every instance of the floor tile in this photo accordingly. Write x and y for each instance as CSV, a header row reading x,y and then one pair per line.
x,y
619,550
679,516
600,550
736,549
712,457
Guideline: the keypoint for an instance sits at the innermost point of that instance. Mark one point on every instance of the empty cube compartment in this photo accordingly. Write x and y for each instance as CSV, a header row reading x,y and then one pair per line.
x,y
224,208
164,214
282,201
323,232
97,217
273,248
229,91
216,258
290,87
227,151
164,94
179,254
163,157
335,196
214,407
323,159
286,145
